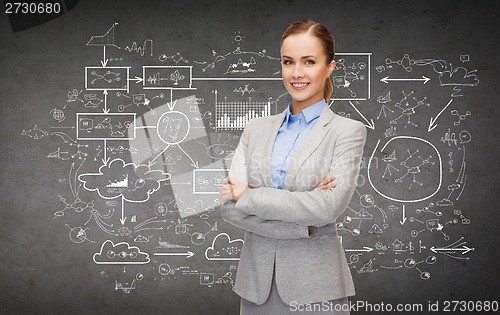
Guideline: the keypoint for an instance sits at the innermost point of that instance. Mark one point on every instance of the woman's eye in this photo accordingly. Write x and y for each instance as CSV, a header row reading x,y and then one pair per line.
x,y
309,62
287,62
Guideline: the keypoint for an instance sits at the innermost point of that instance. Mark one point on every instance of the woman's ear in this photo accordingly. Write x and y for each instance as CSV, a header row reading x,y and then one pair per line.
x,y
331,66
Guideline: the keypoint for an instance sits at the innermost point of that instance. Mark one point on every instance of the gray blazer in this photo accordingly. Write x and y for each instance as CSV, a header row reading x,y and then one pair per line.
x,y
294,228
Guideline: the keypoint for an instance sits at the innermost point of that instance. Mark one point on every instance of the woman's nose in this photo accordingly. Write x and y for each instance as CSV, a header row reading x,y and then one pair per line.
x,y
297,71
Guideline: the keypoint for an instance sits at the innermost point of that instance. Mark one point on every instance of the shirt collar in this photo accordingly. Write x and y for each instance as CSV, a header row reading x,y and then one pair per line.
x,y
309,113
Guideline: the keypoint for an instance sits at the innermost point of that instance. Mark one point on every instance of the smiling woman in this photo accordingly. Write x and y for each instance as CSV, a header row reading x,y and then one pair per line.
x,y
307,52
280,189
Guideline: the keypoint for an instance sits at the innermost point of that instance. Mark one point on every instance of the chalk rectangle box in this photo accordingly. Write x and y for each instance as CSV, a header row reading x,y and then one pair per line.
x,y
207,181
167,77
83,123
107,78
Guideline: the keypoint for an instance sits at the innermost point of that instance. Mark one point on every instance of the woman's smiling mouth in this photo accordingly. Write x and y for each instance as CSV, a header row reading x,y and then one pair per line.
x,y
299,85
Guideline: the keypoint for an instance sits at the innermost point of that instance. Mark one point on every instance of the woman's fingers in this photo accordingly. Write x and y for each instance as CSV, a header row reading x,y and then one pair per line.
x,y
228,190
323,182
327,181
225,193
225,196
231,190
326,187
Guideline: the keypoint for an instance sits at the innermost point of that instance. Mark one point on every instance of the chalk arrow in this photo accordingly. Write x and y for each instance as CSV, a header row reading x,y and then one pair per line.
x,y
105,110
370,123
193,163
386,79
188,254
105,161
123,218
136,79
464,249
104,61
171,105
433,120
404,216
365,249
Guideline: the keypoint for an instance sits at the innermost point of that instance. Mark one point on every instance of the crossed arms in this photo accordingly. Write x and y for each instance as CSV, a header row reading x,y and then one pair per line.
x,y
283,214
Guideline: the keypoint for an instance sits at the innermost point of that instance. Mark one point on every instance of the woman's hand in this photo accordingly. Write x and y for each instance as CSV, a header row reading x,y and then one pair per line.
x,y
231,190
327,183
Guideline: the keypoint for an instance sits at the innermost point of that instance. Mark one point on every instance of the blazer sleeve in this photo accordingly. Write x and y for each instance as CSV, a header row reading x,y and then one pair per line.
x,y
252,223
267,228
317,207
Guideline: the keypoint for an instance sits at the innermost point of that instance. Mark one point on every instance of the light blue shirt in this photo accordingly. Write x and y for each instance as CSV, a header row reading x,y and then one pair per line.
x,y
291,133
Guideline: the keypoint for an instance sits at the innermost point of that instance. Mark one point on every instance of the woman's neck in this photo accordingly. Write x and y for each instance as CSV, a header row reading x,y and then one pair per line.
x,y
298,107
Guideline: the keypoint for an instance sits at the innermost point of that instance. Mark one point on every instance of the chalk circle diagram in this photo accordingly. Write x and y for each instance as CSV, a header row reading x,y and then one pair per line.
x,y
173,127
164,269
405,169
77,234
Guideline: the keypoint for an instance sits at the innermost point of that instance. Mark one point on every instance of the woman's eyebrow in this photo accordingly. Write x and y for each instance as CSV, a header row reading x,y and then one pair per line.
x,y
309,56
304,57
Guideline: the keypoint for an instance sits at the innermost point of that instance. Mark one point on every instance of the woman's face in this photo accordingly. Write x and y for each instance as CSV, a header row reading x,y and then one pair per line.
x,y
304,69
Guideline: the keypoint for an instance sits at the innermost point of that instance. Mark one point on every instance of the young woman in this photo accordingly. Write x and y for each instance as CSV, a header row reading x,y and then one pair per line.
x,y
280,188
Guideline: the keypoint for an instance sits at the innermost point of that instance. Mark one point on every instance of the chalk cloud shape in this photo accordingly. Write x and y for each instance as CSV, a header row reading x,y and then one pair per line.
x,y
224,249
120,254
135,183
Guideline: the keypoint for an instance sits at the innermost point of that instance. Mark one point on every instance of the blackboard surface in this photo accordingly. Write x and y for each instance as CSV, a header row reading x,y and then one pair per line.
x,y
119,118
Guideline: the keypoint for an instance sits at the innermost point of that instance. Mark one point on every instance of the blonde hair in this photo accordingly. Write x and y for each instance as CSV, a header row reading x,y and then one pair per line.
x,y
327,41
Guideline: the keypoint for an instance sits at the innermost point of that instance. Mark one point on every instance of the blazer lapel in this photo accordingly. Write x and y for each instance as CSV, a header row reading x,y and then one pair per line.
x,y
267,147
308,145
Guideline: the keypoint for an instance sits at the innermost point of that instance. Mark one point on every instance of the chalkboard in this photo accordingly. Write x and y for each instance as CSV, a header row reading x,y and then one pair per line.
x,y
119,120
